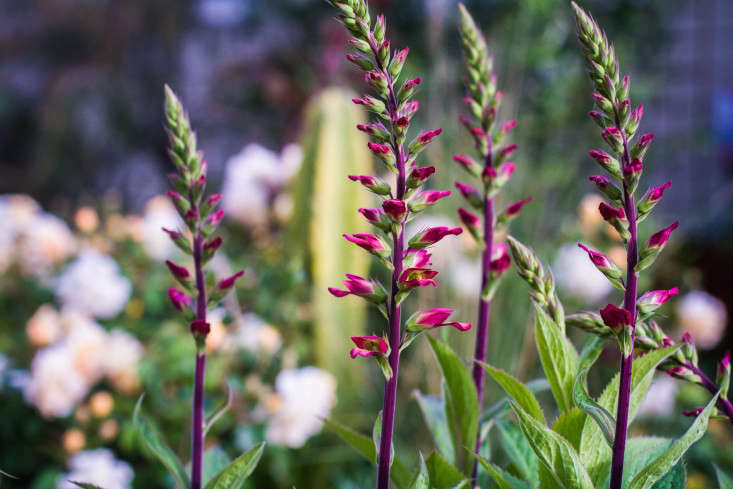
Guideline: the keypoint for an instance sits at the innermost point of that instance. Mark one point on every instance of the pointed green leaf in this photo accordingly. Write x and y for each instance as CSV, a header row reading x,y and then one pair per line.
x,y
518,450
605,420
153,441
517,391
554,452
235,475
664,463
85,485
215,460
594,451
500,407
433,410
461,403
377,437
558,357
724,481
570,426
503,479
421,480
444,475
642,450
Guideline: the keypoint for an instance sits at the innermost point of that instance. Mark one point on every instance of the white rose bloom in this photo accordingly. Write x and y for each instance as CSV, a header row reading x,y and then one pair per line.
x,y
93,284
254,334
577,276
122,354
704,316
306,396
55,387
86,341
160,213
98,467
661,398
253,176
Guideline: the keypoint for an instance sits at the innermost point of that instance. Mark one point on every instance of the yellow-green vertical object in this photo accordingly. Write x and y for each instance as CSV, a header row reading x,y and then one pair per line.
x,y
326,204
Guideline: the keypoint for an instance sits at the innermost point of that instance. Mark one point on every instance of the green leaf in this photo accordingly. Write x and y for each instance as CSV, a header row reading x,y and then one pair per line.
x,y
433,410
500,407
558,357
215,460
554,452
421,480
642,450
662,464
461,403
443,475
377,437
153,441
605,420
724,481
220,411
85,485
399,474
570,426
594,451
519,451
235,475
516,390
503,479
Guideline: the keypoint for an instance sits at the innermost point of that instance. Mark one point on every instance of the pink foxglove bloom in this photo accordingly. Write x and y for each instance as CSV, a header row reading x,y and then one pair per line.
x,y
508,126
615,317
360,287
418,176
379,187
179,272
468,164
610,213
651,300
430,236
470,220
660,238
434,318
179,300
366,346
470,193
371,243
228,283
417,277
427,198
417,259
599,259
200,328
513,209
395,209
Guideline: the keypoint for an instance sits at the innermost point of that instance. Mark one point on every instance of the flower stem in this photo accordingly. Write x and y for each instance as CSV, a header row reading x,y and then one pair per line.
x,y
723,404
197,427
622,412
484,311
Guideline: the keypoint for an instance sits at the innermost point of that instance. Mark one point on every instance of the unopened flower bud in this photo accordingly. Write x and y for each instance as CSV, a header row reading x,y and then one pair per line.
x,y
361,287
418,176
471,222
641,146
379,187
434,318
606,266
652,300
395,209
427,198
614,139
606,186
655,245
610,164
179,299
471,194
430,236
616,318
468,164
650,199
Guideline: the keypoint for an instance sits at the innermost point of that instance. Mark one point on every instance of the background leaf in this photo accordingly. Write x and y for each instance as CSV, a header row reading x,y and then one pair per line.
x,y
516,390
443,475
558,357
235,475
461,403
422,477
502,479
724,481
519,451
433,411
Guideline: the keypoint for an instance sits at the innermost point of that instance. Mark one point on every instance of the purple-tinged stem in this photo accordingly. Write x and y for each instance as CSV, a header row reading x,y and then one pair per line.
x,y
624,395
395,312
723,404
197,426
484,311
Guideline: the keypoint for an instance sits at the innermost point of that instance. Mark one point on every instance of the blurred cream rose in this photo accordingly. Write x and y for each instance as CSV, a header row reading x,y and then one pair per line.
x,y
55,387
121,358
98,467
44,327
93,284
159,213
577,276
255,335
704,316
303,398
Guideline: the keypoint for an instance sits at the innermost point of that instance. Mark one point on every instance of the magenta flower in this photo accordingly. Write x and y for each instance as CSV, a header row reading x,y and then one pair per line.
x,y
508,126
200,328
179,300
417,277
374,216
418,176
615,317
724,368
427,136
656,193
430,236
657,297
379,187
181,273
369,242
645,140
611,165
500,259
660,238
612,136
434,318
366,346
427,198
417,259
513,209
470,193
468,164
395,209
379,149
216,217
470,220
637,114
634,169
610,213
599,259
360,287
411,84
504,153
228,283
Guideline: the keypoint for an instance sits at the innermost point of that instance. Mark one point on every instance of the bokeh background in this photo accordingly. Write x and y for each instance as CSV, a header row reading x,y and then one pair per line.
x,y
85,326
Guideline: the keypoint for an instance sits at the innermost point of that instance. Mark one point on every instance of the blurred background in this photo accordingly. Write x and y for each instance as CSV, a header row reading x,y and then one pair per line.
x,y
85,324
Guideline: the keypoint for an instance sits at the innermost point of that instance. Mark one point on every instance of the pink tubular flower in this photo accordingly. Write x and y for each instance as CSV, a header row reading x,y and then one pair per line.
x,y
634,168
513,209
379,149
471,194
178,271
374,216
507,151
374,184
213,245
615,317
508,126
216,217
417,277
410,84
612,136
660,238
417,259
605,160
656,193
369,242
200,328
418,176
658,297
430,236
228,283
366,346
693,413
507,169
179,300
395,209
426,198
600,181
500,259
610,213
434,318
428,136
599,259
468,164
645,140
470,220
361,287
